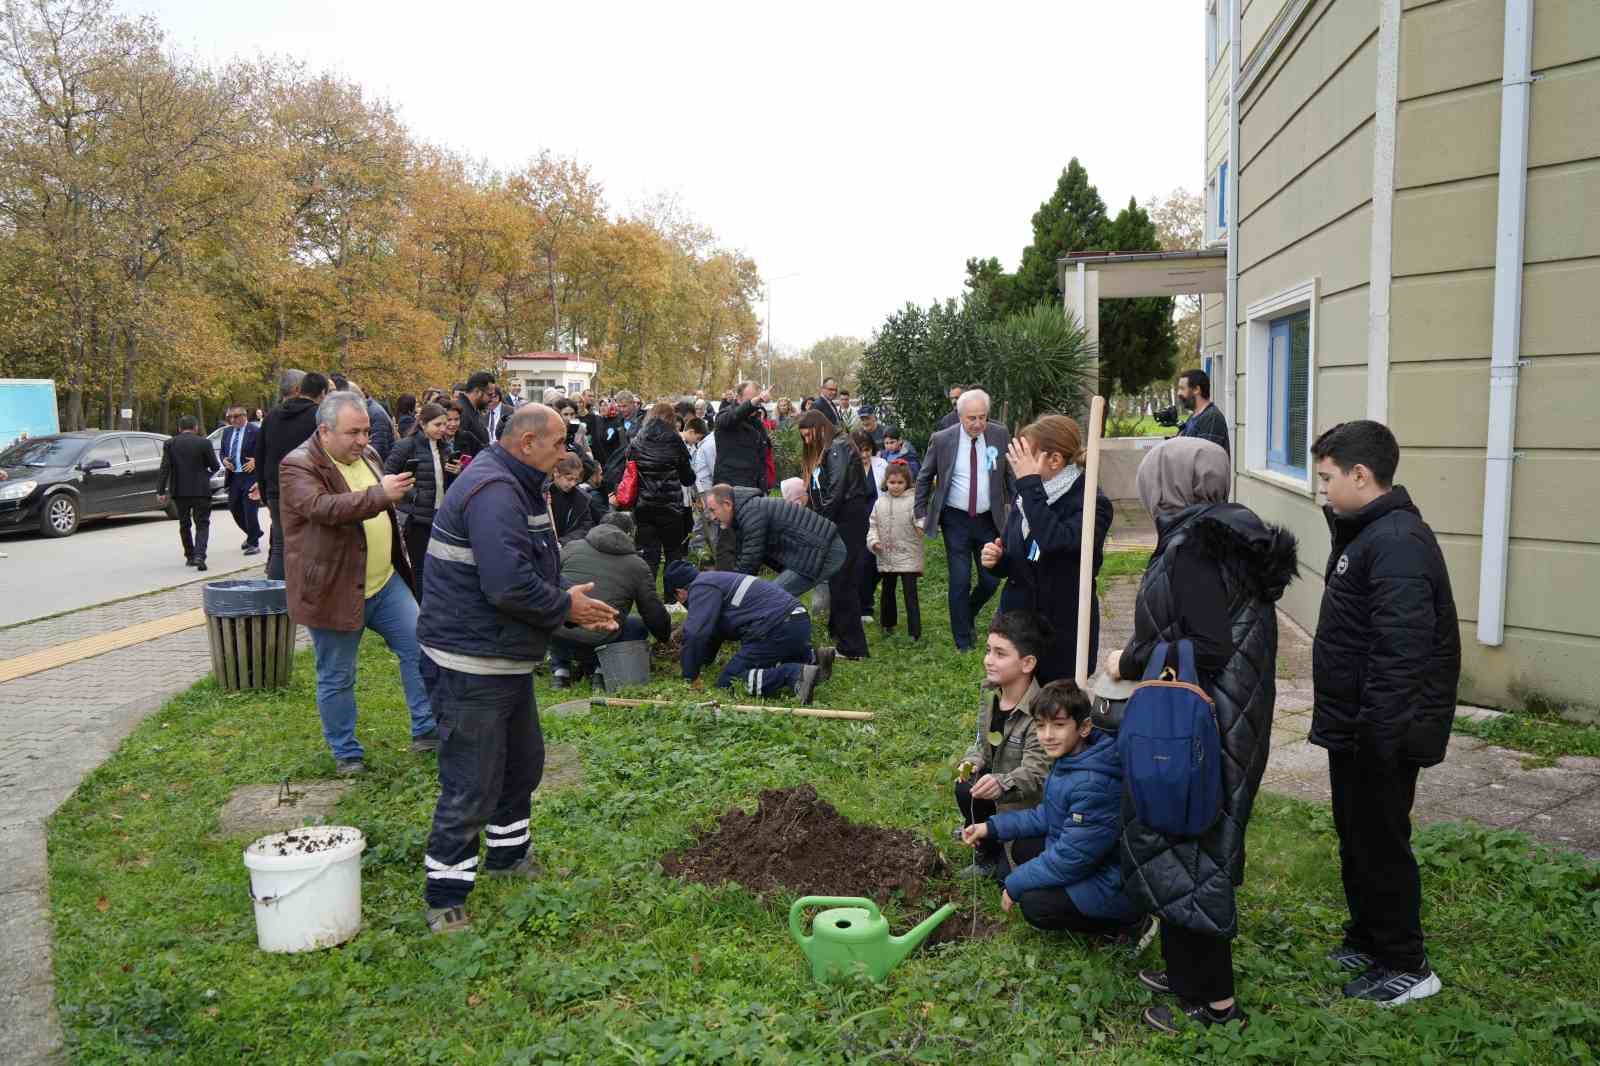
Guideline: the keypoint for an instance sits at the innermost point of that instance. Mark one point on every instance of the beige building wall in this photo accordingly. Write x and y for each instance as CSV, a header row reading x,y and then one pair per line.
x,y
1307,136
1213,305
1305,180
1446,182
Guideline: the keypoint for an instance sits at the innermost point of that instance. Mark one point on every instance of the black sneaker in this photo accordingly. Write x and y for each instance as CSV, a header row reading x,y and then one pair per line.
x,y
1172,1020
252,550
561,678
979,869
806,687
1156,981
1347,957
1391,988
200,564
427,742
188,560
825,657
349,767
526,868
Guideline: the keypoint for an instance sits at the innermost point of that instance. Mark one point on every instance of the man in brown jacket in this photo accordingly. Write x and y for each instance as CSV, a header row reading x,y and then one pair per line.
x,y
347,570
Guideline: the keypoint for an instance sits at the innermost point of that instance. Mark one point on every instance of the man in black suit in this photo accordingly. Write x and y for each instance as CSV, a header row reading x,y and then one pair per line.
x,y
827,398
239,460
187,463
497,413
951,417
965,488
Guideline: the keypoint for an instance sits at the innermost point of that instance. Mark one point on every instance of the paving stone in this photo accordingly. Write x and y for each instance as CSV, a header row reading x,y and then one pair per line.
x,y
1298,759
1588,764
562,768
1477,714
256,810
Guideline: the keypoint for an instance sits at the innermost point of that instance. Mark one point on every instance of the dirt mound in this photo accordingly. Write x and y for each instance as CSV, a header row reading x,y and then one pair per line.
x,y
794,842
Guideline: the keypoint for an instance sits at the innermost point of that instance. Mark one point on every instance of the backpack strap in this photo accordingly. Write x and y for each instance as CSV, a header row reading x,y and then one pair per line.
x,y
1158,662
1186,670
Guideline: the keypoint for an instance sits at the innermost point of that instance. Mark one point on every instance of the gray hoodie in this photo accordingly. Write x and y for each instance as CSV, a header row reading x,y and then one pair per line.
x,y
607,556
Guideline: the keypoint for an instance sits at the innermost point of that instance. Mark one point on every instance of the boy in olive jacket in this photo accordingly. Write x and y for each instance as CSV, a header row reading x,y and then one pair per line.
x,y
1005,768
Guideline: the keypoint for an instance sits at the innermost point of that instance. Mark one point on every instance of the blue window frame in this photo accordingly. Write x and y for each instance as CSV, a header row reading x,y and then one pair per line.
x,y
1288,389
1222,195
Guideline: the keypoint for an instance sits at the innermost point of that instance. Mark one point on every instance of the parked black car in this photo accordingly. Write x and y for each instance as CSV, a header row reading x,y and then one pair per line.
x,y
57,482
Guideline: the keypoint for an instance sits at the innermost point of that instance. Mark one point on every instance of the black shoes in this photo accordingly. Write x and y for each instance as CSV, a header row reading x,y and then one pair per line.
x,y
188,560
427,742
1172,1020
1351,958
1391,988
1156,981
200,565
825,657
252,549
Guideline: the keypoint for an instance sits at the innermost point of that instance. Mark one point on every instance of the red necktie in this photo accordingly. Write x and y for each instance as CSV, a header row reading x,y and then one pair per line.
x,y
972,482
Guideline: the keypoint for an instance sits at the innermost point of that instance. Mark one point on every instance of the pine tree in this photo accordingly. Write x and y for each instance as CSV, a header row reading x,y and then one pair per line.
x,y
1137,338
1072,220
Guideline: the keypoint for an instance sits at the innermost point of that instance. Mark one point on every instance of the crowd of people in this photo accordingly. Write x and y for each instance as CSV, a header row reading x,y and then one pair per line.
x,y
547,528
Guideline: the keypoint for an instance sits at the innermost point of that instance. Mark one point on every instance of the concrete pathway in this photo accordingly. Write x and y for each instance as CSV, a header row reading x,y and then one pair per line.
x,y
55,727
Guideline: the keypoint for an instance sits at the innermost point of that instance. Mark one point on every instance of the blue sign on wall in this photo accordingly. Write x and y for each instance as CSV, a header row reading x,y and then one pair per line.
x,y
27,407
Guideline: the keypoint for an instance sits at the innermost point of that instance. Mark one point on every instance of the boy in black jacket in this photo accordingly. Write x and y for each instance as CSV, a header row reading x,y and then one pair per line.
x,y
1386,662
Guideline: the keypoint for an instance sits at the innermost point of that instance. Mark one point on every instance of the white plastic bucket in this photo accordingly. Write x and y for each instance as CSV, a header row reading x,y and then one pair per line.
x,y
306,887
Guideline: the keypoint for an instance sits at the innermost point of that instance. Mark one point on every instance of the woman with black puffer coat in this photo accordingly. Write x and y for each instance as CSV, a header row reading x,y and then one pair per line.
x,y
664,469
836,487
435,467
1213,579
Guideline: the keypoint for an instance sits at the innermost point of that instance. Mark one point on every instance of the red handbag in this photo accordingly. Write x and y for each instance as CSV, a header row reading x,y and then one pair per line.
x,y
628,491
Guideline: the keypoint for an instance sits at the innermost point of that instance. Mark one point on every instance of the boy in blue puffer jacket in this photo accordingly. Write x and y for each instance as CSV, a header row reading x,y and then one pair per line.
x,y
1068,875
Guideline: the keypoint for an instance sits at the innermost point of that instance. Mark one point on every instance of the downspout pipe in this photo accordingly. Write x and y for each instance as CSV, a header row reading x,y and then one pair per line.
x,y
1230,335
1505,361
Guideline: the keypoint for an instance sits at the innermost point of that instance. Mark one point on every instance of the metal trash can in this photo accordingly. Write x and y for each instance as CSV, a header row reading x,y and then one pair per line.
x,y
627,662
252,636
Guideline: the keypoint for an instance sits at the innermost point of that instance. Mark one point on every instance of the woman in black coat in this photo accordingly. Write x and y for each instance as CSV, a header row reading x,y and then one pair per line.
x,y
1039,554
664,469
435,468
836,488
1213,579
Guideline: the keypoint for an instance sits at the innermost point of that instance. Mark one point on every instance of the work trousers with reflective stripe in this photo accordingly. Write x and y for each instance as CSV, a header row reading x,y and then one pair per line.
x,y
491,758
773,663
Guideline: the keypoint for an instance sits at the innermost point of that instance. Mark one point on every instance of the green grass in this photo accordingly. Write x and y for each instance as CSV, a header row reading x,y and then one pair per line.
x,y
1542,734
1144,426
609,961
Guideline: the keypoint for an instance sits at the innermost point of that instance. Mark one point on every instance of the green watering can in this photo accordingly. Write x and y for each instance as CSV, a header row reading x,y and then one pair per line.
x,y
855,933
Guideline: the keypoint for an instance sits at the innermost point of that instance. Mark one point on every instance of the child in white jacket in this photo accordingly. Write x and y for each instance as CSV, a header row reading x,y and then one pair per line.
x,y
895,538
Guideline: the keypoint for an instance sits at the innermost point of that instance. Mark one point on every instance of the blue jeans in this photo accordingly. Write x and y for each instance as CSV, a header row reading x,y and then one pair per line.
x,y
565,654
964,539
772,663
392,614
797,584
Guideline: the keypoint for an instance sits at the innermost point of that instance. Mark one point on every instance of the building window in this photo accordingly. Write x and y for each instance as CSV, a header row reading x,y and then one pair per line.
x,y
1288,381
1216,32
1280,374
1222,196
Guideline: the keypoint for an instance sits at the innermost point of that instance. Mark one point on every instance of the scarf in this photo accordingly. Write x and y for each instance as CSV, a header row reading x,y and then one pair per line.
x,y
1181,472
1054,489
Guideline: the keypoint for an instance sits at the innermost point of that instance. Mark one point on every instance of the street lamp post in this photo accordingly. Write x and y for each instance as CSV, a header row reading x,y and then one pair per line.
x,y
770,283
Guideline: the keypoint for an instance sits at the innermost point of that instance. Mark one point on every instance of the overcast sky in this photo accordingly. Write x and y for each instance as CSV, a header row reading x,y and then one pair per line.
x,y
867,147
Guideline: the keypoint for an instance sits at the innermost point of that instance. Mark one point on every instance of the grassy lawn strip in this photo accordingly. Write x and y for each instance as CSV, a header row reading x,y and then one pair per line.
x,y
1538,734
608,961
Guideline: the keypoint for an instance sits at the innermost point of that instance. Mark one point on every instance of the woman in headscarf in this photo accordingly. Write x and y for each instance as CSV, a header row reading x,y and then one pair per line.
x,y
1215,574
1039,554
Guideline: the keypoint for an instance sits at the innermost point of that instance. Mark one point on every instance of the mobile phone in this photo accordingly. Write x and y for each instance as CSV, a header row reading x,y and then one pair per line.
x,y
412,465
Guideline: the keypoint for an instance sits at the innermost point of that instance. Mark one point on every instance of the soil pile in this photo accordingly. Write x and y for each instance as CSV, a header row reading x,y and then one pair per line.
x,y
794,842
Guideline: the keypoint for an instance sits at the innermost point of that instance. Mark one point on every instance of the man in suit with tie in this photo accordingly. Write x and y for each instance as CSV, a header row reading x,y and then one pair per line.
x,y
828,400
239,460
965,488
187,463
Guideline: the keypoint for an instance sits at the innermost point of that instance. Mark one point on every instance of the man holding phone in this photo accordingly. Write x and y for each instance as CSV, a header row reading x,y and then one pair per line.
x,y
347,571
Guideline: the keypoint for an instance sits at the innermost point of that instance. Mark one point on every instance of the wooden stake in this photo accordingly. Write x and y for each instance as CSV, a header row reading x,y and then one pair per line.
x,y
802,712
1091,483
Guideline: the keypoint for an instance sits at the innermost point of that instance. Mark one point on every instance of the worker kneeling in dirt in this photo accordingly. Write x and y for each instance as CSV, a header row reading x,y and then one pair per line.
x,y
772,627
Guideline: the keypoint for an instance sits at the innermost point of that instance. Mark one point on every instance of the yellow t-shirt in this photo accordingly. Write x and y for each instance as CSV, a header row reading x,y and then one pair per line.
x,y
380,567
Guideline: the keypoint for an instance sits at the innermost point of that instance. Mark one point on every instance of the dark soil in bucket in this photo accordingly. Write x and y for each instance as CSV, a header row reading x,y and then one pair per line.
x,y
797,844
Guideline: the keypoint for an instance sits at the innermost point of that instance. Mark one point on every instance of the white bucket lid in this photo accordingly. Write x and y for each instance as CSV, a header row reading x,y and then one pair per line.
x,y
306,847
